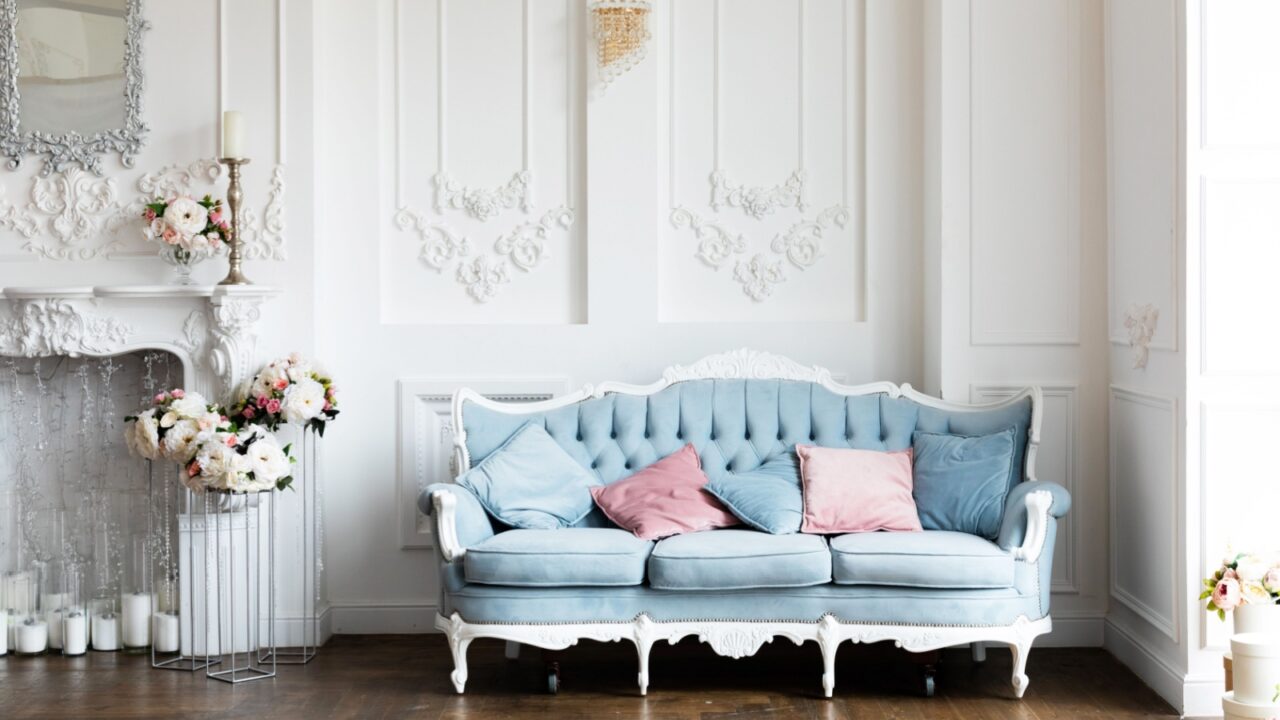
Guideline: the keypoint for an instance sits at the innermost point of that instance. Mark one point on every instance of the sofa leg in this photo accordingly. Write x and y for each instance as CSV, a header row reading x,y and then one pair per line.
x,y
979,650
1020,680
459,647
643,637
829,642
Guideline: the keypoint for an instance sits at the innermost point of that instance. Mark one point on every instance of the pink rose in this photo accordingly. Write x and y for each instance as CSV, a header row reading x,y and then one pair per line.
x,y
159,398
169,235
215,217
149,214
1227,595
273,406
179,393
231,441
280,384
328,406
193,469
224,226
248,412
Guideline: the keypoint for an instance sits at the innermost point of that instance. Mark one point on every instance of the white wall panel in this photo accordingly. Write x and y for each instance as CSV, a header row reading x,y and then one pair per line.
x,y
1241,103
766,94
1144,505
484,225
1142,156
1025,173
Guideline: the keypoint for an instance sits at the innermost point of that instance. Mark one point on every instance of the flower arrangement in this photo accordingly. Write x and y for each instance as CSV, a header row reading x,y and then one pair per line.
x,y
174,427
240,461
291,390
1243,579
189,228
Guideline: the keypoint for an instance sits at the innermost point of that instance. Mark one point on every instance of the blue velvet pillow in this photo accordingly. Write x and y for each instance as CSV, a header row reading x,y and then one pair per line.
x,y
767,498
531,482
961,482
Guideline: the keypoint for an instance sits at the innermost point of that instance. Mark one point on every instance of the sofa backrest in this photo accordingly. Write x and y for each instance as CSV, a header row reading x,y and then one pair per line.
x,y
736,423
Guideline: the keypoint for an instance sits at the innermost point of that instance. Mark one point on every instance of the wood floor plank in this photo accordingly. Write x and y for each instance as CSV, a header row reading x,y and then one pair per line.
x,y
370,677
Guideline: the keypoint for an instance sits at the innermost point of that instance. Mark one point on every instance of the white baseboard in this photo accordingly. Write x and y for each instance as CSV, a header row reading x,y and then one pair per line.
x,y
1073,631
383,618
1155,671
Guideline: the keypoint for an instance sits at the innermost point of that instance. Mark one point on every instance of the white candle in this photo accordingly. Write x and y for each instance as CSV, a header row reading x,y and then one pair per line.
x,y
4,632
136,619
75,633
166,632
32,636
232,134
106,630
54,620
53,601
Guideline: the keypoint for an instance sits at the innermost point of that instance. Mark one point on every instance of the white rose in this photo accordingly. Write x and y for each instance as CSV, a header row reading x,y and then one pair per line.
x,y
1251,569
217,462
302,401
1254,592
267,461
146,435
190,406
181,441
186,216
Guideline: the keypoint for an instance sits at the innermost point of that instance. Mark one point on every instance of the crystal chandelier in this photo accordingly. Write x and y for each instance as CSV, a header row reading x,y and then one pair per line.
x,y
622,35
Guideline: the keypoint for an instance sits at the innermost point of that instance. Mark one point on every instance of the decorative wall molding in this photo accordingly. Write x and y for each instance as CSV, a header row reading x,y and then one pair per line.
x,y
526,245
481,204
440,243
800,244
715,244
758,276
233,337
482,278
1140,323
50,326
264,238
759,202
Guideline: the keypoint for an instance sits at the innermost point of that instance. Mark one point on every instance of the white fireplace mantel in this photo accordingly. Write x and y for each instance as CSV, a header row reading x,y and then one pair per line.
x,y
213,330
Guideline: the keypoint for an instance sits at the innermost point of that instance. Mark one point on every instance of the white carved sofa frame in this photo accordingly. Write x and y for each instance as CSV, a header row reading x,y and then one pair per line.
x,y
741,638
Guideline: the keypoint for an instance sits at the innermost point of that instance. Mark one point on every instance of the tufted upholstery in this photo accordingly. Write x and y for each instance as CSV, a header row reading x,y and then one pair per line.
x,y
736,425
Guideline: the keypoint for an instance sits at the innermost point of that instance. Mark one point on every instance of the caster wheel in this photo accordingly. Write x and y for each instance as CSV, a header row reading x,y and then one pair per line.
x,y
929,685
553,678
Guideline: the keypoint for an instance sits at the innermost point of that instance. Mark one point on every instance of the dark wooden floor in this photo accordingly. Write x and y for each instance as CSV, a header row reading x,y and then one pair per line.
x,y
407,676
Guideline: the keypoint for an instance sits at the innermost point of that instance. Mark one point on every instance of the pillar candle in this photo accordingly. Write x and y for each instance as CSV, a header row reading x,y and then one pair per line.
x,y
135,619
166,632
54,619
106,632
4,632
32,636
75,633
232,134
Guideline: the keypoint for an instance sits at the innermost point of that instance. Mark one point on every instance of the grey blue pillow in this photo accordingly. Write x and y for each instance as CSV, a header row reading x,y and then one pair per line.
x,y
961,482
767,498
530,482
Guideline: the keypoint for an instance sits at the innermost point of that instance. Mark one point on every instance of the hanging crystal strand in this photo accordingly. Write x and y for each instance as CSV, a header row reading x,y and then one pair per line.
x,y
84,510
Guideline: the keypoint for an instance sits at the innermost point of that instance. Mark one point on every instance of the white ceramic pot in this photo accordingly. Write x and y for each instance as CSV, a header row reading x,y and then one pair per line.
x,y
1233,709
1255,660
1257,618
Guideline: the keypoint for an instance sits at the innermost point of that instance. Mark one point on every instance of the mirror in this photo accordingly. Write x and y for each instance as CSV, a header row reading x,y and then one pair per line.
x,y
72,82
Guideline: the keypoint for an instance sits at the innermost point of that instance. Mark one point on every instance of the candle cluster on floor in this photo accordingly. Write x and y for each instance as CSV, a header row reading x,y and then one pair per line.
x,y
86,553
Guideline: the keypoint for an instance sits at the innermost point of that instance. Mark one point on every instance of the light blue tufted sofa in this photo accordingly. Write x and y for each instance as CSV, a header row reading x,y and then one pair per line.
x,y
737,589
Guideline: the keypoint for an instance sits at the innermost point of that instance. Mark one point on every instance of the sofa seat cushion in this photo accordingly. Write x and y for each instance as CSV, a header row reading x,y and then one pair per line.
x,y
562,557
738,559
929,559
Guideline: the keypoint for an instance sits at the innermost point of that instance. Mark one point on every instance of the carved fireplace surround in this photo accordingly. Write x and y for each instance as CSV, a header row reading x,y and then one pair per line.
x,y
212,330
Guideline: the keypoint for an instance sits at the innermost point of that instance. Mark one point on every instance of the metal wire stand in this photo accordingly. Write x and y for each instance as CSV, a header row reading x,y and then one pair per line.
x,y
310,561
237,666
171,507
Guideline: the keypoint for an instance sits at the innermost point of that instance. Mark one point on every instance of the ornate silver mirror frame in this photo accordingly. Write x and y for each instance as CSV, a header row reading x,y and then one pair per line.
x,y
71,148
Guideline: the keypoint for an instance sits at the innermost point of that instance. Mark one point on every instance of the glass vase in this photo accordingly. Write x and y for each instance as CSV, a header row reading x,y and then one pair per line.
x,y
183,261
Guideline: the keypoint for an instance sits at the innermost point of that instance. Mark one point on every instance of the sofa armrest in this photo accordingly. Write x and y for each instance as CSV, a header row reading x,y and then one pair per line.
x,y
1026,517
460,519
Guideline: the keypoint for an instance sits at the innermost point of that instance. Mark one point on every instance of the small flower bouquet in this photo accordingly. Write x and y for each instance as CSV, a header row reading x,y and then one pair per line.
x,y
174,426
240,461
1243,579
290,390
189,230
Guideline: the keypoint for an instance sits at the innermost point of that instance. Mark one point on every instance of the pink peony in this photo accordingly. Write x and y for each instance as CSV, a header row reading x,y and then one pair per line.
x,y
248,412
178,393
1227,595
273,406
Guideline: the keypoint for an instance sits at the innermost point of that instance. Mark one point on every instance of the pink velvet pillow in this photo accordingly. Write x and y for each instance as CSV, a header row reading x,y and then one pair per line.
x,y
848,490
664,499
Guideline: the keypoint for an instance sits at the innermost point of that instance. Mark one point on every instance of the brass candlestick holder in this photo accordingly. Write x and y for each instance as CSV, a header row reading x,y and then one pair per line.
x,y
234,196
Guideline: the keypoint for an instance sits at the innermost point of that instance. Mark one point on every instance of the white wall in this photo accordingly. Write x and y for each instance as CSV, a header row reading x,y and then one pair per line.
x,y
621,293
1016,239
